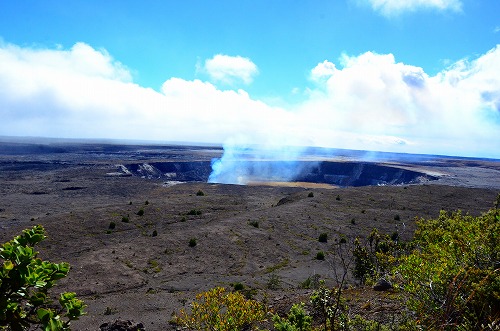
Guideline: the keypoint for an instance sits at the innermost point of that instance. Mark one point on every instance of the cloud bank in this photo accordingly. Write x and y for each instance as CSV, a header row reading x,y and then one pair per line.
x,y
396,7
369,101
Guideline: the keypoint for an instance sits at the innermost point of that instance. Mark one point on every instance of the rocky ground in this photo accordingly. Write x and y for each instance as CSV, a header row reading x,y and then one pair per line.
x,y
144,269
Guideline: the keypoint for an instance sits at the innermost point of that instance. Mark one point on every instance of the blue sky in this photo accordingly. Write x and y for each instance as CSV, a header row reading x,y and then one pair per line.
x,y
415,76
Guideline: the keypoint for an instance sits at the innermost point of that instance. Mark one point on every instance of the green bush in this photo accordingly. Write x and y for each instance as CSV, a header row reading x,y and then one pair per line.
x,y
219,310
323,238
320,256
255,224
453,275
274,282
192,242
140,212
297,320
311,282
125,219
25,281
194,212
238,287
200,193
311,195
112,225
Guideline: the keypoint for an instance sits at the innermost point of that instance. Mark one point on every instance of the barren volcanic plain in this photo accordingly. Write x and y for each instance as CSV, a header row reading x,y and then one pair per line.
x,y
143,268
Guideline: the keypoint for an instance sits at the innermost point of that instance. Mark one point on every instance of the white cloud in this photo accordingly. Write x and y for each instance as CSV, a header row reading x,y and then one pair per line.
x,y
395,7
231,69
369,101
323,70
83,92
456,111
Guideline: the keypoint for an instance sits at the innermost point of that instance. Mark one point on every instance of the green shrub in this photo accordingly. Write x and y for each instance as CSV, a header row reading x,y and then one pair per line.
x,y
297,320
274,282
337,198
112,225
200,193
323,238
238,287
154,234
311,282
194,212
320,256
146,202
311,195
125,219
330,306
219,310
192,242
364,266
453,277
140,212
25,281
255,224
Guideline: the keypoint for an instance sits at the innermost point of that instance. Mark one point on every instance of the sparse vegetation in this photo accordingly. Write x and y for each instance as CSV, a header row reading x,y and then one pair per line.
x,y
312,282
194,212
125,219
112,225
274,282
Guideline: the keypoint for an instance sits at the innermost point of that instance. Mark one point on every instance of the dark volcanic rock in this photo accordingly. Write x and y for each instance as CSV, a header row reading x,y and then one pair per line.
x,y
119,325
382,285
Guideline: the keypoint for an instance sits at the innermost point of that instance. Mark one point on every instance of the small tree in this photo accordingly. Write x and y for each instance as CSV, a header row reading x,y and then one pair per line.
x,y
24,284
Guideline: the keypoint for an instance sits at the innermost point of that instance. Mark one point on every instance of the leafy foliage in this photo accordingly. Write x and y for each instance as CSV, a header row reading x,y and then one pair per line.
x,y
297,320
24,284
219,310
330,305
454,274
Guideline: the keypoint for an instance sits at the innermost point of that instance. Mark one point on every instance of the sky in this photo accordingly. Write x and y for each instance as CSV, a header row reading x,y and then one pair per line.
x,y
411,76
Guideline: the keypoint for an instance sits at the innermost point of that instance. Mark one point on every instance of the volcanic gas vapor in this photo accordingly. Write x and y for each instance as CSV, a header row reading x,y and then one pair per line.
x,y
244,163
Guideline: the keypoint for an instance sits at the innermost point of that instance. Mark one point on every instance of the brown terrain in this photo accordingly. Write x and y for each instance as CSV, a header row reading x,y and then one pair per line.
x,y
144,269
